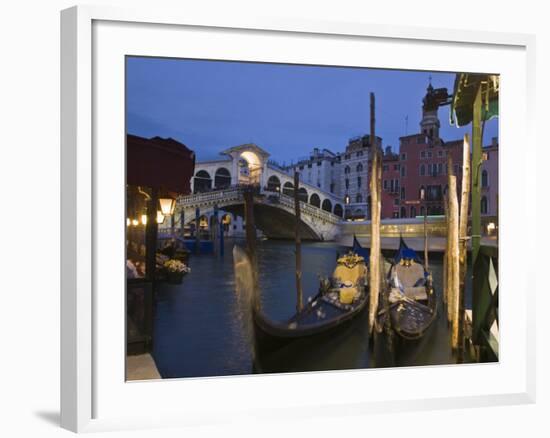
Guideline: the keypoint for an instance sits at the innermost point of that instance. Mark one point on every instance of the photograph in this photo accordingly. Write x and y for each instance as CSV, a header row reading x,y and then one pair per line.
x,y
289,218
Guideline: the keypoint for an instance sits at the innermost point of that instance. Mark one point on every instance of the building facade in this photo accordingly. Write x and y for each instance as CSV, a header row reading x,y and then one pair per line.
x,y
354,171
320,169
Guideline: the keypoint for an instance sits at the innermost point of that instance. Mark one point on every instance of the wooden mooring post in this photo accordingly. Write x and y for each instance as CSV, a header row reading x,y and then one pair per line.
x,y
298,240
453,261
463,250
374,268
250,232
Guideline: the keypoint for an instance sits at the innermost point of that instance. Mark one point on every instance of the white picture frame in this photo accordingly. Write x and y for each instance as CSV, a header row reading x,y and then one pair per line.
x,y
86,379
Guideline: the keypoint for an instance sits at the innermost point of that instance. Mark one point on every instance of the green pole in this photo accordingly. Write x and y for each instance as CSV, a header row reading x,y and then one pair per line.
x,y
476,180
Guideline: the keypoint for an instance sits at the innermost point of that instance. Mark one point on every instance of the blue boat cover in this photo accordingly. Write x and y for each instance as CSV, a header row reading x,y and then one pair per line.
x,y
359,250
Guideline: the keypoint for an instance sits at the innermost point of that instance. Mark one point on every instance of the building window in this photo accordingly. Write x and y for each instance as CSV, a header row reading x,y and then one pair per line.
x,y
358,198
422,170
430,169
440,154
396,201
484,178
331,187
301,167
440,168
429,154
385,184
358,181
360,153
422,211
346,157
347,169
402,192
359,167
422,154
420,139
396,167
347,183
403,171
403,156
484,205
318,163
403,212
413,211
385,167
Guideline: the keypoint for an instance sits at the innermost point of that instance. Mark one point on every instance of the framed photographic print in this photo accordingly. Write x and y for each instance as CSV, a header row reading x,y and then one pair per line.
x,y
250,206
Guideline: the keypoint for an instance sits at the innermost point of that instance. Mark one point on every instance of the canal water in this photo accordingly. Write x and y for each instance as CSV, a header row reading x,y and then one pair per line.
x,y
199,330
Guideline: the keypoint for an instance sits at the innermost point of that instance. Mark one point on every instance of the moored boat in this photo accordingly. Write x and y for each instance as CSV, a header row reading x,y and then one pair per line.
x,y
339,300
410,300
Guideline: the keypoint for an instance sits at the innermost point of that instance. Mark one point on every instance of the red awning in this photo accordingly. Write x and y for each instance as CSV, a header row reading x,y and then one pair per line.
x,y
162,163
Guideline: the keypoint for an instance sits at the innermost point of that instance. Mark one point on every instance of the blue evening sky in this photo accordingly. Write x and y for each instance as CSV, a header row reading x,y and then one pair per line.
x,y
285,109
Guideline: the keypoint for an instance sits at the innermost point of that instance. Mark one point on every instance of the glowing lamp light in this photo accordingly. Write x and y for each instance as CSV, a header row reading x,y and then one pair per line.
x,y
144,219
422,193
491,227
160,217
135,222
128,222
167,206
346,199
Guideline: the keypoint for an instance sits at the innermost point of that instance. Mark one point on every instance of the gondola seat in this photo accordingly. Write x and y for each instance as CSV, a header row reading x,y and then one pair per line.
x,y
412,281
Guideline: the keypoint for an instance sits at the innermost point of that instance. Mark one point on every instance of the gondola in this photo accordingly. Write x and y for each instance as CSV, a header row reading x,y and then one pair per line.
x,y
340,299
410,300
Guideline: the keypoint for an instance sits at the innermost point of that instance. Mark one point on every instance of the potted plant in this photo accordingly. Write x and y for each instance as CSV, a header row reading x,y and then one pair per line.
x,y
175,270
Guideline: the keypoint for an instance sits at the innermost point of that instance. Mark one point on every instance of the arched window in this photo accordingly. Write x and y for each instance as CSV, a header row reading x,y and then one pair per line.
x,y
484,205
273,184
222,178
484,178
422,170
347,169
338,210
413,211
315,200
403,212
421,191
359,167
358,198
347,183
327,205
302,194
288,189
422,211
202,182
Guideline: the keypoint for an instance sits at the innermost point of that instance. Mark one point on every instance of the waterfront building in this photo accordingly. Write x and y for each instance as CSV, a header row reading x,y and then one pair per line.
x,y
423,166
320,169
390,184
354,171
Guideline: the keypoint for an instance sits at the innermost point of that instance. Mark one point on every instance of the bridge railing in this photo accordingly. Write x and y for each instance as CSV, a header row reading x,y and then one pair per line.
x,y
209,197
316,212
235,193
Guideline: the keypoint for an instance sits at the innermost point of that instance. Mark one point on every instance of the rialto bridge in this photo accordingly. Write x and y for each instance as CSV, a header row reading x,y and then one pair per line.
x,y
218,185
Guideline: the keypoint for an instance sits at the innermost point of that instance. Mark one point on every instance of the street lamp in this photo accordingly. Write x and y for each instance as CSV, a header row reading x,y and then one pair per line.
x,y
167,205
160,217
346,199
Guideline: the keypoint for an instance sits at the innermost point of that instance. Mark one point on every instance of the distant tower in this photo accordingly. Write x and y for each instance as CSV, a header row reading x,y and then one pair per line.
x,y
430,122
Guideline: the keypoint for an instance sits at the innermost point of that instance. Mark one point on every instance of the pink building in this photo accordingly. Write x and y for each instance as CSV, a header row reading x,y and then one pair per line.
x,y
421,164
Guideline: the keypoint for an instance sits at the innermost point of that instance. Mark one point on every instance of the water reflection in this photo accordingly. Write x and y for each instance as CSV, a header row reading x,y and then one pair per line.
x,y
202,327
